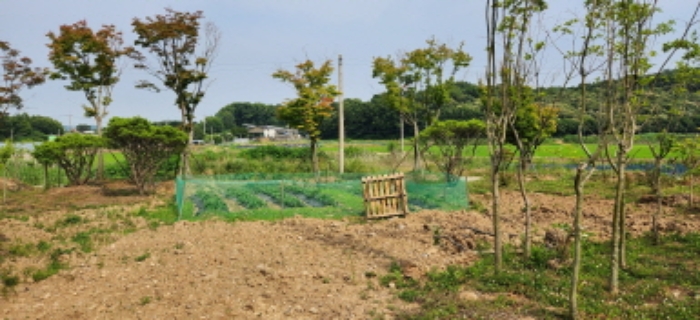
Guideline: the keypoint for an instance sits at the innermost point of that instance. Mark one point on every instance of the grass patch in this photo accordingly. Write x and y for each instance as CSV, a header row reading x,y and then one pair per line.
x,y
69,220
661,282
143,257
84,240
53,267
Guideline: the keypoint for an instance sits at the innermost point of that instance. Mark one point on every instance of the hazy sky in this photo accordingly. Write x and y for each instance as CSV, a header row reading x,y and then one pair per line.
x,y
261,36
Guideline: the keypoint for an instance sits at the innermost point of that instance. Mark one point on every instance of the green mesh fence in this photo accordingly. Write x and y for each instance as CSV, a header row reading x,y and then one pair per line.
x,y
273,196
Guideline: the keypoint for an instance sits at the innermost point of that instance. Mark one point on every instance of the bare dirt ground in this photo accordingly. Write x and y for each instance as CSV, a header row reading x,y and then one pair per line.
x,y
292,269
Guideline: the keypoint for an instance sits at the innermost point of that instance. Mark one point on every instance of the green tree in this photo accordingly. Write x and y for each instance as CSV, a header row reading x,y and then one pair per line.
x,y
17,75
90,61
660,148
46,125
313,103
75,153
508,33
418,84
452,137
145,147
173,40
628,52
6,152
46,157
533,124
582,58
688,153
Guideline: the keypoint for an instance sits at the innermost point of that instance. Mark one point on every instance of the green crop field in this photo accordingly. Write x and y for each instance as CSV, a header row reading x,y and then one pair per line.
x,y
253,200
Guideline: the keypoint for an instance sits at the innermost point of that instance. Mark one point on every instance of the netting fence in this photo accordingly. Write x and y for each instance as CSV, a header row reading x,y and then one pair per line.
x,y
273,196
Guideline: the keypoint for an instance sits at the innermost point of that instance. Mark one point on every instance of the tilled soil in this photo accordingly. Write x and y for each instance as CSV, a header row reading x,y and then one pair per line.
x,y
296,268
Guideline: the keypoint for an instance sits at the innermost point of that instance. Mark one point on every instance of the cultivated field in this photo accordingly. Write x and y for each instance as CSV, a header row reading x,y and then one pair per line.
x,y
103,252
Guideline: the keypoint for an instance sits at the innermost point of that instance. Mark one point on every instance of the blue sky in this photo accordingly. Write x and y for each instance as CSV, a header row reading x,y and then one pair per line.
x,y
261,36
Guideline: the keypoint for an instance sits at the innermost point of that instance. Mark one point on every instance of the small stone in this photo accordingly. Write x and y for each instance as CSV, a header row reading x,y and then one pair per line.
x,y
469,296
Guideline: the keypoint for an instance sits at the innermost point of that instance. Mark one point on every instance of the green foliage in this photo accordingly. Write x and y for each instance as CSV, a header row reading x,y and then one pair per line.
x,y
688,153
418,83
245,197
451,138
70,219
24,127
315,95
74,153
53,267
277,194
312,193
84,240
145,147
90,61
207,201
175,43
6,152
143,257
271,152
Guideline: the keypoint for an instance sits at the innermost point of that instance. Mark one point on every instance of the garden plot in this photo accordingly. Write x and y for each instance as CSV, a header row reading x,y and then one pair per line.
x,y
273,199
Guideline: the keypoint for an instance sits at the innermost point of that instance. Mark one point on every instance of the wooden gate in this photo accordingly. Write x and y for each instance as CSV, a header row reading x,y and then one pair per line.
x,y
385,196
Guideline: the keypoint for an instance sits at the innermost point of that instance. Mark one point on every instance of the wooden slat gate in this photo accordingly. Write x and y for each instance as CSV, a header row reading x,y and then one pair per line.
x,y
385,196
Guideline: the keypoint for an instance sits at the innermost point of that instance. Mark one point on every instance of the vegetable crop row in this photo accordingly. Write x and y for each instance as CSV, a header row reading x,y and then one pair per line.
x,y
275,193
313,193
208,201
245,198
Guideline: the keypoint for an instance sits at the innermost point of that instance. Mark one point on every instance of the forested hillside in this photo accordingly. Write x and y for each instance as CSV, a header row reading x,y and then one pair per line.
x,y
374,119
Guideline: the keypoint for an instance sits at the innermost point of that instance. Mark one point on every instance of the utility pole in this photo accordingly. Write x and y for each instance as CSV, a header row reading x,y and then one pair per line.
x,y
70,125
341,118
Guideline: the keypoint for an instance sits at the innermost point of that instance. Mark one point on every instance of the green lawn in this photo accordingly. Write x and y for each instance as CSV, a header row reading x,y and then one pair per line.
x,y
553,150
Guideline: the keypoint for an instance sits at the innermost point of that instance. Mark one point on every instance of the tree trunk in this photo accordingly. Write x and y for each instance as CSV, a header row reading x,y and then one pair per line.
x,y
416,152
495,207
184,158
100,154
576,266
527,210
657,193
314,156
623,234
616,224
46,177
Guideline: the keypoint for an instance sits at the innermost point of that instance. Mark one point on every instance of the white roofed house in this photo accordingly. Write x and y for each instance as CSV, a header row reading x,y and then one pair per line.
x,y
272,133
262,132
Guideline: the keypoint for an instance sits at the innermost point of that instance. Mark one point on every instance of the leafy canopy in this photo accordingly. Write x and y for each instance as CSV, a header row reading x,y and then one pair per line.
x,y
74,153
17,75
145,147
314,97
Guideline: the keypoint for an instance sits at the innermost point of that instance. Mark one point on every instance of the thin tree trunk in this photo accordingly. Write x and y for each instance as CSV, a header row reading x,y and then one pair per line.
x,y
184,159
618,219
495,207
416,152
526,202
573,293
657,193
623,235
46,177
100,154
314,157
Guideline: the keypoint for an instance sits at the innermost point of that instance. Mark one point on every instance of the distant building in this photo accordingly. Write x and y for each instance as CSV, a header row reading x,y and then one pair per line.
x,y
271,132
